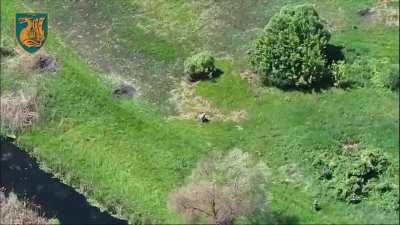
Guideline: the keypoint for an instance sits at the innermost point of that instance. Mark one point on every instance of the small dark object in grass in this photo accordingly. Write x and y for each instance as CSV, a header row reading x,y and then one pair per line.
x,y
124,90
326,174
46,64
384,187
316,205
203,118
365,12
4,51
354,199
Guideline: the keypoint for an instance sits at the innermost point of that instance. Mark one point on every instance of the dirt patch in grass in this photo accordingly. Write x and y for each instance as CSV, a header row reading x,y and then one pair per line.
x,y
367,15
383,12
189,106
253,78
30,64
388,12
350,145
291,173
124,91
34,64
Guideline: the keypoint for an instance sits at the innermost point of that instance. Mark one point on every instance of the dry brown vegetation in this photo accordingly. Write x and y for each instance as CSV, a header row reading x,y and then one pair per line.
x,y
18,111
383,12
14,211
390,16
222,189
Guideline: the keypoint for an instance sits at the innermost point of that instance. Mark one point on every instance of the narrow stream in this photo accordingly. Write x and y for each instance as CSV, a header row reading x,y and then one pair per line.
x,y
21,174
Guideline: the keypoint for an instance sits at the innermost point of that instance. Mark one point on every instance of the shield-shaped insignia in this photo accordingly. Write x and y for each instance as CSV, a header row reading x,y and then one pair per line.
x,y
31,30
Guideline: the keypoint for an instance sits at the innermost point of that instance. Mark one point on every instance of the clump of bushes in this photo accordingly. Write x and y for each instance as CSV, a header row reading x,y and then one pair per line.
x,y
293,53
358,174
200,66
222,189
292,50
366,73
370,165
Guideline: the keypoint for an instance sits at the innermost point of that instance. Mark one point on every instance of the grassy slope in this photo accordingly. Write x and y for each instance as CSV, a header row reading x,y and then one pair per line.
x,y
295,128
124,138
128,158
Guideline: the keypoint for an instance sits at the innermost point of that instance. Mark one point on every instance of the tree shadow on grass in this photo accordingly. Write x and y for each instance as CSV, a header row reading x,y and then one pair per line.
x,y
274,217
213,76
326,83
334,53
216,74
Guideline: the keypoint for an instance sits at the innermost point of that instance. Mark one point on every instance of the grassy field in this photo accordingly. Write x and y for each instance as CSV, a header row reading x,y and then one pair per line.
x,y
126,156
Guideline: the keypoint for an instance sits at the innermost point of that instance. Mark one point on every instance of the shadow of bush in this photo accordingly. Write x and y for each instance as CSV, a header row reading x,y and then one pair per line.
x,y
274,217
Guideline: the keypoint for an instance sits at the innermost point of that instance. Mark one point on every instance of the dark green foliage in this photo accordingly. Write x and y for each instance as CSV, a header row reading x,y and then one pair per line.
x,y
326,174
200,66
355,175
392,80
370,165
291,52
366,73
357,74
4,51
384,187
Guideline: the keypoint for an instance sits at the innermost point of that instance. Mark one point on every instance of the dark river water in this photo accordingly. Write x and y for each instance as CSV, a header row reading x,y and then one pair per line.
x,y
21,174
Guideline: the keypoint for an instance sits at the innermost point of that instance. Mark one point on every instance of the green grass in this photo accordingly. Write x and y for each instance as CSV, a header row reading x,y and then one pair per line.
x,y
127,157
147,43
356,36
229,92
286,128
379,42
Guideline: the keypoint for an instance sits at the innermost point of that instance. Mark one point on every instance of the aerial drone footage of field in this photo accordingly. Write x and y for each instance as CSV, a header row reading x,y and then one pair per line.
x,y
200,111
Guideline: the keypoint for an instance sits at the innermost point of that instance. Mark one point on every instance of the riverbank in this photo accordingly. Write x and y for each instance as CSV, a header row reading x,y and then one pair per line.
x,y
22,175
14,211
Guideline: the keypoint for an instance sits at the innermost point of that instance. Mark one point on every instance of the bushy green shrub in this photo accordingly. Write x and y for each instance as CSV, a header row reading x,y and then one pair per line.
x,y
386,75
200,66
353,176
366,73
371,164
292,50
357,74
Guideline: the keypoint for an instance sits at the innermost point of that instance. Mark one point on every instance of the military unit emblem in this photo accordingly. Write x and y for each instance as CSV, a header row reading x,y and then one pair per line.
x,y
31,30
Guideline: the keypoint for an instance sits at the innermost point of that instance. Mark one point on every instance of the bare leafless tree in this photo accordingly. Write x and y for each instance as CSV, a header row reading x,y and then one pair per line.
x,y
222,189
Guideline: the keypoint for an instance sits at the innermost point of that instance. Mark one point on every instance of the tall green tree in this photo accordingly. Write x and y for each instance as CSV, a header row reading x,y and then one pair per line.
x,y
292,50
